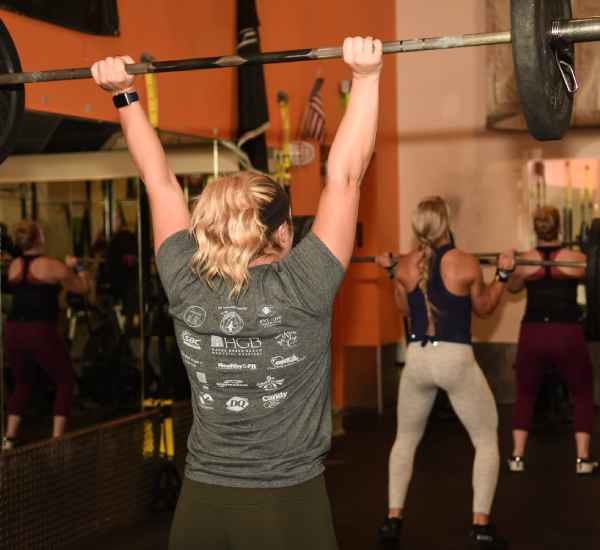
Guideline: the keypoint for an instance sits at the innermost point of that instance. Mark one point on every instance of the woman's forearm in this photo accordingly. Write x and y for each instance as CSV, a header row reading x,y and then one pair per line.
x,y
144,146
355,139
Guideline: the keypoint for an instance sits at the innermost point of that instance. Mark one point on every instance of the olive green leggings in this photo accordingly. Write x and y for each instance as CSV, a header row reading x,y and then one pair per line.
x,y
211,517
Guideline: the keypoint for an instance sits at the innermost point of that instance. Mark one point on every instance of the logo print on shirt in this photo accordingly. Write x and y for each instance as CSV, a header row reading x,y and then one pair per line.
x,y
194,316
237,404
191,340
266,311
221,345
232,384
231,321
271,383
236,366
287,339
206,401
272,401
267,317
201,378
280,362
189,360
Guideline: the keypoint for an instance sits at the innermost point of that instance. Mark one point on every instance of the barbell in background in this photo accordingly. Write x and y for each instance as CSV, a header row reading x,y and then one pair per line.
x,y
543,35
489,259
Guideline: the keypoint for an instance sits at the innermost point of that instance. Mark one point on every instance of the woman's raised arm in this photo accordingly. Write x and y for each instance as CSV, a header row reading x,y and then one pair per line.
x,y
170,212
351,150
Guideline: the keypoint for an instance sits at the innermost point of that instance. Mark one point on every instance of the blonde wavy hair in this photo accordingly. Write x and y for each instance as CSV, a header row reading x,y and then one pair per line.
x,y
228,225
430,224
27,234
546,223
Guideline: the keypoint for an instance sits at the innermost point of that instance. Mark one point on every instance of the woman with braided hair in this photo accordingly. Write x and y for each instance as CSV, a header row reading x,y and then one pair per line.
x,y
437,287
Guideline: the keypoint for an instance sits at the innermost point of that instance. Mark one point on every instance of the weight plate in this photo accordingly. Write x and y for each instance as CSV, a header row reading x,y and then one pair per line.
x,y
592,292
12,98
545,100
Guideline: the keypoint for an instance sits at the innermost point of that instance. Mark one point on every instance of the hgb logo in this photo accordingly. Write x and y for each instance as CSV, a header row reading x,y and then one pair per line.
x,y
237,404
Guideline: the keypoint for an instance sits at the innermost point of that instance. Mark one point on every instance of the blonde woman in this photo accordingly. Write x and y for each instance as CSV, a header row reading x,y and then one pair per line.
x,y
252,318
35,281
438,286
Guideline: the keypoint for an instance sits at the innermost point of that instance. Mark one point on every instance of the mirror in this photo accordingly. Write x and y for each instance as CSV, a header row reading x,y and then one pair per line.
x,y
102,330
569,185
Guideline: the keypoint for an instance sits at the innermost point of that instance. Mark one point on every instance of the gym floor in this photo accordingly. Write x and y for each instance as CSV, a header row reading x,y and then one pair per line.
x,y
547,508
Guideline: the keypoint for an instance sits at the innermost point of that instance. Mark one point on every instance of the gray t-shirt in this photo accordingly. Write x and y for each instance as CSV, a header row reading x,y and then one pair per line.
x,y
259,366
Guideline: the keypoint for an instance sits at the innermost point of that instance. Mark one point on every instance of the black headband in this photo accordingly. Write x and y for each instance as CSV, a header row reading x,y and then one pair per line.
x,y
277,211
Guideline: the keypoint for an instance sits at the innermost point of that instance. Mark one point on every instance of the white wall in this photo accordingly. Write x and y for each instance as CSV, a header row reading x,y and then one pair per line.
x,y
445,149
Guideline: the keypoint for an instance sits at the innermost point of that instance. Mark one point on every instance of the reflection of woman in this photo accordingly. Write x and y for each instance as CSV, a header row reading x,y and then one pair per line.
x,y
438,286
552,334
35,281
252,319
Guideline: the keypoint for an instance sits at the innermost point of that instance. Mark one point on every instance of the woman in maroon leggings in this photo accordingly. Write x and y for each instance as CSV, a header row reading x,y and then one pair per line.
x,y
552,335
35,281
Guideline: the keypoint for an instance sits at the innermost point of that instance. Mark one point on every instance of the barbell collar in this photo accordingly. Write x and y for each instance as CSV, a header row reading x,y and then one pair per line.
x,y
576,30
573,30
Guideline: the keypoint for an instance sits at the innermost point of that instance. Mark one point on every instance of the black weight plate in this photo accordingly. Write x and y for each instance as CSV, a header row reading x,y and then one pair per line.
x,y
545,101
592,291
12,98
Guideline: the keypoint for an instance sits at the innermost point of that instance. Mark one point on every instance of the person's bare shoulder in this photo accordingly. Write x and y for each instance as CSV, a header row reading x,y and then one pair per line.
x,y
571,255
406,269
15,268
462,262
50,269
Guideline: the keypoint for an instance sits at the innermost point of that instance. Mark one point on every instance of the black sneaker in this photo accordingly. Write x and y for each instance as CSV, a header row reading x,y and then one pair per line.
x,y
484,537
390,530
586,467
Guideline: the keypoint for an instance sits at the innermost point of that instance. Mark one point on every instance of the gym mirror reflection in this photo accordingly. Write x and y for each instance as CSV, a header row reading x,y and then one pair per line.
x,y
101,377
571,185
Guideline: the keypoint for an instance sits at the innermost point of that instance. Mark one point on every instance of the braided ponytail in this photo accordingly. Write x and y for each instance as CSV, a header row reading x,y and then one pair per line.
x,y
430,224
424,265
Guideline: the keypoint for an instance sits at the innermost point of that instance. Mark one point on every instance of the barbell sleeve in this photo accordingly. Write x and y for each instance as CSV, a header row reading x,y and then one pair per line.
x,y
576,30
573,30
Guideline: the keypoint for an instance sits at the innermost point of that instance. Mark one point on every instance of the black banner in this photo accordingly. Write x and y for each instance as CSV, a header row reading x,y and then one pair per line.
x,y
90,16
252,98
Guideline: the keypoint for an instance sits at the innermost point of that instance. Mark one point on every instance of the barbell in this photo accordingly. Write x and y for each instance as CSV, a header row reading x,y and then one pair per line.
x,y
543,35
488,259
591,266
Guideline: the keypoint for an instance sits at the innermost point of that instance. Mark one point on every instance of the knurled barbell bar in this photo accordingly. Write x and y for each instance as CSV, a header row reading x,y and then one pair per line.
x,y
592,279
488,259
543,35
591,267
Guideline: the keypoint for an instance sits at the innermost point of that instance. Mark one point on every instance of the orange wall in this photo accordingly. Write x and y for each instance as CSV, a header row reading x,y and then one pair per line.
x,y
198,102
203,101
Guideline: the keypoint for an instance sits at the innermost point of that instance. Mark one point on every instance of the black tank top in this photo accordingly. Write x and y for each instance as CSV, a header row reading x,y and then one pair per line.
x,y
33,301
551,299
452,313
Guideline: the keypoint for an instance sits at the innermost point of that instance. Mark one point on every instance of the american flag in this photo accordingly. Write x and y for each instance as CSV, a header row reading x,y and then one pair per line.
x,y
313,120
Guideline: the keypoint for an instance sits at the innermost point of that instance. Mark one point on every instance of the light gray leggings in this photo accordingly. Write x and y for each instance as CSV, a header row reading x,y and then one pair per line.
x,y
453,368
